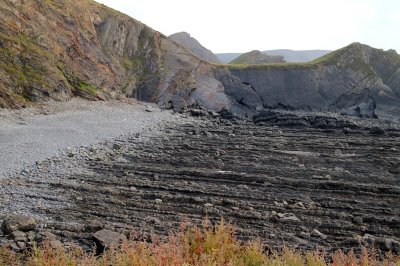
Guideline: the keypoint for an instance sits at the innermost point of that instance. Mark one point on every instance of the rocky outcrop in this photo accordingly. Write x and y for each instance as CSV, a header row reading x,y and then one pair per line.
x,y
192,45
58,50
256,57
356,80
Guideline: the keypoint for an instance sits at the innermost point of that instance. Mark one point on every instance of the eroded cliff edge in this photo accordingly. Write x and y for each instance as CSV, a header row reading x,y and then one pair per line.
x,y
356,80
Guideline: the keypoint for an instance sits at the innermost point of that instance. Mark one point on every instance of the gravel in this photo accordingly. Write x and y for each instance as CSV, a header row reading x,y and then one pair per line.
x,y
34,134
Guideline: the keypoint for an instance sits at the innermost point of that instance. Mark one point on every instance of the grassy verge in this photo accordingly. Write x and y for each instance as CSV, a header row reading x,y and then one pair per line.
x,y
192,245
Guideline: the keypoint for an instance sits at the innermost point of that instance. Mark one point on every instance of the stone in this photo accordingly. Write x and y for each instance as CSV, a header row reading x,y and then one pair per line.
x,y
317,233
338,152
16,234
14,246
56,244
106,239
47,236
18,223
357,220
377,131
158,201
21,245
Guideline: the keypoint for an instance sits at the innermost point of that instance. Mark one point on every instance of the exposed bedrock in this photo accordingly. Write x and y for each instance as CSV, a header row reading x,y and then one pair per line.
x,y
356,80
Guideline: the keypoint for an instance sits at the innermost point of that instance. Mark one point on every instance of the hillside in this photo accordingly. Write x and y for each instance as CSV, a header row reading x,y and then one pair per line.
x,y
357,80
256,57
291,56
56,50
192,45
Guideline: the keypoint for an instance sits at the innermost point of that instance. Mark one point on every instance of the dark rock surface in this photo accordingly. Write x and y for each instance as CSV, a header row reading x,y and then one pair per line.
x,y
303,187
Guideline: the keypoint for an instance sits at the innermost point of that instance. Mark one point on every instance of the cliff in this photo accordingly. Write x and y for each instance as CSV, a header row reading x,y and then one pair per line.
x,y
192,45
256,57
357,80
56,50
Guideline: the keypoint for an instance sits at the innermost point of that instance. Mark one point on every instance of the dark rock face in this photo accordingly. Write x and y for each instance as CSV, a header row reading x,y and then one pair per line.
x,y
356,80
287,119
303,187
192,45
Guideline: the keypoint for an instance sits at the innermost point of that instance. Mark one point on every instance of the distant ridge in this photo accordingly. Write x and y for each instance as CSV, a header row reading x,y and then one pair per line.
x,y
192,45
256,57
291,56
298,56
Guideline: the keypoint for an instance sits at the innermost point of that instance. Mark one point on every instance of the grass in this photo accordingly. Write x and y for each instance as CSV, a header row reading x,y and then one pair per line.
x,y
84,87
191,245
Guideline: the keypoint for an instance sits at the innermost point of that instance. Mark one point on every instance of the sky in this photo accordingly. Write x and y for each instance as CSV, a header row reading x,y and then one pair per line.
x,y
240,26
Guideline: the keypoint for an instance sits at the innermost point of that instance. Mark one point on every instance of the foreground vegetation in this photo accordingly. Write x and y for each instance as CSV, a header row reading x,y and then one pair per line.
x,y
192,245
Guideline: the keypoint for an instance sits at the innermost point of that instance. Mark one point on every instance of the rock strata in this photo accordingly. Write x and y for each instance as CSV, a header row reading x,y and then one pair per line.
x,y
283,185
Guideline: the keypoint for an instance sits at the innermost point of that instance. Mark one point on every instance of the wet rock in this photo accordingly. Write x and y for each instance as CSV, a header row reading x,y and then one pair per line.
x,y
377,131
18,222
106,239
357,220
198,112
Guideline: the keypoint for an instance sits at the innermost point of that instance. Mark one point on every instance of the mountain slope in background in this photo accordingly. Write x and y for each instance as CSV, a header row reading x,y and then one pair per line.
x,y
225,58
357,80
288,55
299,55
192,45
256,57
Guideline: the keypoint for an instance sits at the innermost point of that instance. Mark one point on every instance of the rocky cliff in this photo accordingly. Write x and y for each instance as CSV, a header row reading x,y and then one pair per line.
x,y
56,50
192,45
256,57
357,80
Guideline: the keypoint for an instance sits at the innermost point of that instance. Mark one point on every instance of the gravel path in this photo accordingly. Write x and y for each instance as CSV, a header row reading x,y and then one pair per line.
x,y
34,134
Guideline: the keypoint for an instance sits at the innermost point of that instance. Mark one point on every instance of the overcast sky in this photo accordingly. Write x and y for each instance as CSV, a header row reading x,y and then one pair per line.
x,y
241,26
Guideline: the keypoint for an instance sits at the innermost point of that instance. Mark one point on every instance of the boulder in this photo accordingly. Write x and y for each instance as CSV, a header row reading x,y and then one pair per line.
x,y
377,131
106,239
18,223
